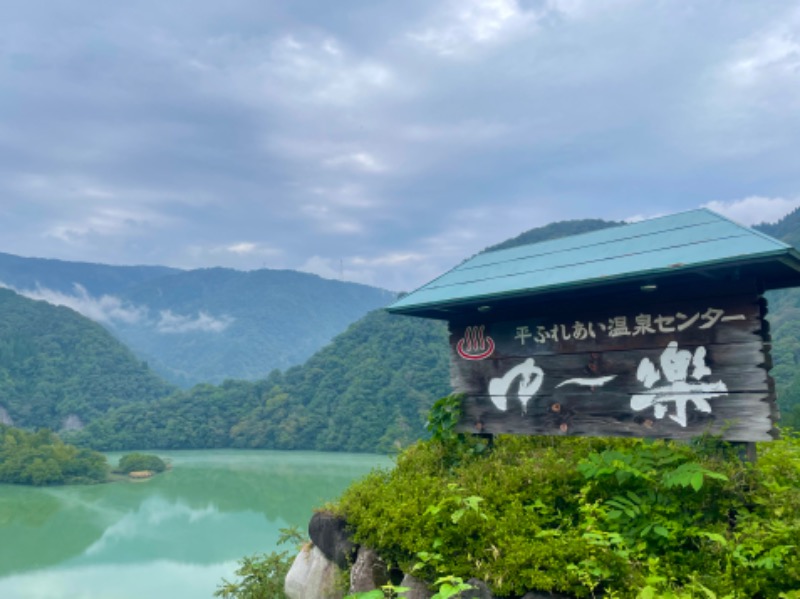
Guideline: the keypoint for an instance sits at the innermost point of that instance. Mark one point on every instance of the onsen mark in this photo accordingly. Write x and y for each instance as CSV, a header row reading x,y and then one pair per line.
x,y
474,345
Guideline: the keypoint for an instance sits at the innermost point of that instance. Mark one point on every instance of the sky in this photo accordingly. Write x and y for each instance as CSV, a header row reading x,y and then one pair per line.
x,y
382,142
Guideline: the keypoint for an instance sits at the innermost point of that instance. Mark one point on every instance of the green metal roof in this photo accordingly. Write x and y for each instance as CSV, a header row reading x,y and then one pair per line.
x,y
693,241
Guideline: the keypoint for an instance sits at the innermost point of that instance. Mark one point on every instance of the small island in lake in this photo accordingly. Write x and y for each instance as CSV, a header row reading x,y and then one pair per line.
x,y
140,466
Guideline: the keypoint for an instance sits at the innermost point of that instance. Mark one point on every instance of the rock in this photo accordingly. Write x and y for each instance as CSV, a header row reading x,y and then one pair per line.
x,y
417,589
5,417
312,576
368,572
328,533
72,423
479,590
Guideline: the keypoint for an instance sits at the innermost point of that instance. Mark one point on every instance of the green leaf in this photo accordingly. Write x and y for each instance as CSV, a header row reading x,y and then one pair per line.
x,y
661,531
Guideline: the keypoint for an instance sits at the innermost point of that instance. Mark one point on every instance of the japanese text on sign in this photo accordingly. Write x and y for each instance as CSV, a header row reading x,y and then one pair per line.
x,y
621,326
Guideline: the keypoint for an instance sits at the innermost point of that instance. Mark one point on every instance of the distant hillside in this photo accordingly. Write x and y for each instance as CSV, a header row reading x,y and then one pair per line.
x,y
369,390
62,276
787,229
563,228
203,325
59,369
214,324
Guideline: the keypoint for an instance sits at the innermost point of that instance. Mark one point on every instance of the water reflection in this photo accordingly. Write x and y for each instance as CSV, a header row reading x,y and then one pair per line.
x,y
194,521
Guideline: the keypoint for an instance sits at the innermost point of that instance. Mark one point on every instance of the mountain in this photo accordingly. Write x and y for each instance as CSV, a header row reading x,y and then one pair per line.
x,y
203,325
214,324
369,390
563,228
62,276
59,369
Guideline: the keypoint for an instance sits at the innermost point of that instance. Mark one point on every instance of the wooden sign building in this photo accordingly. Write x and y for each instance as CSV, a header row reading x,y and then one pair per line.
x,y
651,329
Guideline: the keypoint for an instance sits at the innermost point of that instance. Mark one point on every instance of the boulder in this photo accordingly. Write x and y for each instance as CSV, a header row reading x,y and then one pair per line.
x,y
312,576
479,590
417,589
369,571
328,533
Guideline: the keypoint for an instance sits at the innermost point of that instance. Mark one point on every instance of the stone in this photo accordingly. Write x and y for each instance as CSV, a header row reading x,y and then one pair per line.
x,y
5,417
369,571
72,423
417,589
312,576
479,590
329,534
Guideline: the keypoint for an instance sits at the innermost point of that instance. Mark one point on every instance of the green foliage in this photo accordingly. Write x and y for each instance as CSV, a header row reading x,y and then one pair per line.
x,y
369,390
41,458
387,591
134,462
259,320
262,576
590,517
444,416
55,363
554,231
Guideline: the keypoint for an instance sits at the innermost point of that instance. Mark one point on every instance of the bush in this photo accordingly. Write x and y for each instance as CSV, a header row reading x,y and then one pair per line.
x,y
262,576
588,517
134,462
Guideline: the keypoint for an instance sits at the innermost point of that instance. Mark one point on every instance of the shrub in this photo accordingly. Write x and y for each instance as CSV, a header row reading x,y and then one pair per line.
x,y
262,576
134,462
620,517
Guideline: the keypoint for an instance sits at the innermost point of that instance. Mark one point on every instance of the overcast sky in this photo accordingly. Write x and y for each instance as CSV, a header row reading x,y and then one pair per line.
x,y
382,141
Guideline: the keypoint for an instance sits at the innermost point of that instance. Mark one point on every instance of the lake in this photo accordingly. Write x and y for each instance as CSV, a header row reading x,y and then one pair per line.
x,y
174,536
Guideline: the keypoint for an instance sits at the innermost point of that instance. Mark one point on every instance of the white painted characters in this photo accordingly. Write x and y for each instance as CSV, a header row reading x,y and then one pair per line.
x,y
674,366
532,378
530,383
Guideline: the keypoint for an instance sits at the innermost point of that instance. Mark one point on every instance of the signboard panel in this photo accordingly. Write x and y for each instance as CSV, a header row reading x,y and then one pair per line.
x,y
671,371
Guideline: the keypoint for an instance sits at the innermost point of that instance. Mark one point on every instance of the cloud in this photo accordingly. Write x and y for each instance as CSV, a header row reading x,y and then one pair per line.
x,y
108,309
248,248
754,210
105,309
105,222
770,54
169,322
467,24
359,161
300,69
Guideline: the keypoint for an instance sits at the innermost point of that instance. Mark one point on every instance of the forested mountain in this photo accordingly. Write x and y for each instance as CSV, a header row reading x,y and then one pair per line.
x,y
214,324
369,390
59,369
203,325
62,276
562,228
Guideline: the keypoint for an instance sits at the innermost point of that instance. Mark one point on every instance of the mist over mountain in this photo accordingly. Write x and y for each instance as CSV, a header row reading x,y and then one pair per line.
x,y
205,325
60,370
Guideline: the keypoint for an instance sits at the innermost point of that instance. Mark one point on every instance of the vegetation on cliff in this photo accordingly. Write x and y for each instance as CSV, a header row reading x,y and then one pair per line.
x,y
41,458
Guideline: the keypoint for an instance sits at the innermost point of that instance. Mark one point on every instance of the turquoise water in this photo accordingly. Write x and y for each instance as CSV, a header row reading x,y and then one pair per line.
x,y
174,536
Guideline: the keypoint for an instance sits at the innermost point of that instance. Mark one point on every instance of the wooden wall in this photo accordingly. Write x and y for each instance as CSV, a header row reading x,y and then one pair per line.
x,y
669,370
